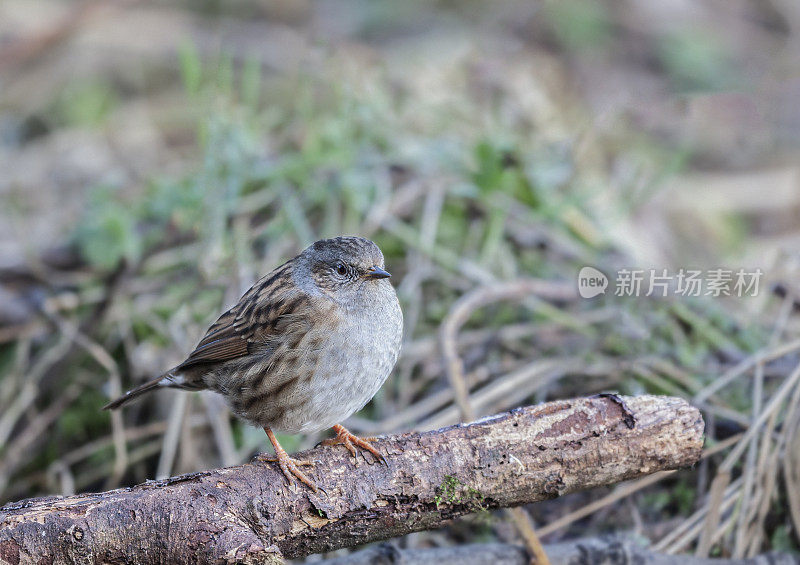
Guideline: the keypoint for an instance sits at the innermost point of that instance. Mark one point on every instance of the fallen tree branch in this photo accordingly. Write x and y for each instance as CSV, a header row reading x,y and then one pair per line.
x,y
249,514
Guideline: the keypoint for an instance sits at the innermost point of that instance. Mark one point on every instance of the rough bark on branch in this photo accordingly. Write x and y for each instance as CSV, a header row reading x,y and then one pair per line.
x,y
249,514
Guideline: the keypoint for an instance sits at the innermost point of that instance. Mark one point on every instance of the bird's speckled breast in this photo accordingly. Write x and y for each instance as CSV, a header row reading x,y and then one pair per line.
x,y
354,362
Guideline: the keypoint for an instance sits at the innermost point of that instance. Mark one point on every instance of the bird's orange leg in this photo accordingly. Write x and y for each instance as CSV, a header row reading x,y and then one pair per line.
x,y
288,465
350,441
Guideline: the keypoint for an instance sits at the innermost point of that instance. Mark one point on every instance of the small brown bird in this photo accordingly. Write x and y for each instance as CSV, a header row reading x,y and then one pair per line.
x,y
307,346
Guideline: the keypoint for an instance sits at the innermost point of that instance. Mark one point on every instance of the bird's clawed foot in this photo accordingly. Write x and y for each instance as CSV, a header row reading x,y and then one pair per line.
x,y
351,441
289,466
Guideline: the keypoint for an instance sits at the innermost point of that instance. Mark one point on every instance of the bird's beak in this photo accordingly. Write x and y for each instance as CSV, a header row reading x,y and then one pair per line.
x,y
377,273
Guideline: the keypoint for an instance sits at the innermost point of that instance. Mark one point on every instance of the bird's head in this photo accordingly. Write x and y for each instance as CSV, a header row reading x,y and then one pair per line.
x,y
350,270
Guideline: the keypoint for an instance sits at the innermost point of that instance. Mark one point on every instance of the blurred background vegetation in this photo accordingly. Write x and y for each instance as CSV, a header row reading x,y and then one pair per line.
x,y
156,158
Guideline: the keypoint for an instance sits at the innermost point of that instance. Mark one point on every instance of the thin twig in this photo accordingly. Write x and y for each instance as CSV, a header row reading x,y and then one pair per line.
x,y
463,309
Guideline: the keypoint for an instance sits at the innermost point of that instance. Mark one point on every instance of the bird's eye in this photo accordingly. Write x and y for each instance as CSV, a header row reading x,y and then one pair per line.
x,y
341,269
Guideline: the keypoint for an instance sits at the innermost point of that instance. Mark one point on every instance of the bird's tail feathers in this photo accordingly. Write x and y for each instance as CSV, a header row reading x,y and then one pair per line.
x,y
168,379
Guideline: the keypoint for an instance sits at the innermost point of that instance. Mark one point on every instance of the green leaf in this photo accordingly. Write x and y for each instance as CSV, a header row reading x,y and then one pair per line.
x,y
191,67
